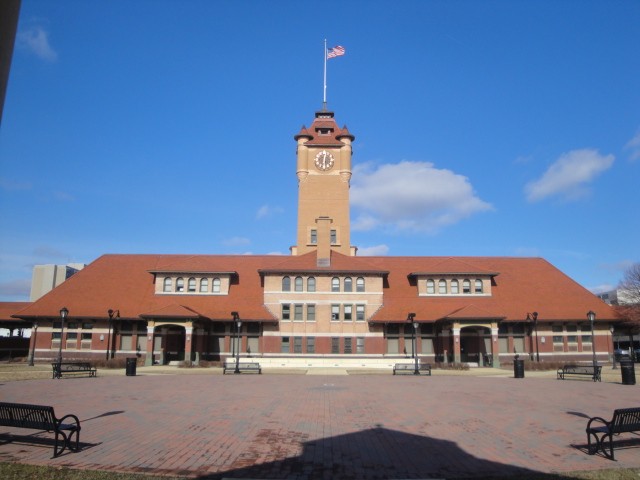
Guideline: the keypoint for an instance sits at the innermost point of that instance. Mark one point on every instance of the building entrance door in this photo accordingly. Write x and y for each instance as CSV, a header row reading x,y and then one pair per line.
x,y
475,345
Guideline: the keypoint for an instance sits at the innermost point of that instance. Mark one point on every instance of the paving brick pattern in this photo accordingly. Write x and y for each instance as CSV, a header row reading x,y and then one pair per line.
x,y
322,426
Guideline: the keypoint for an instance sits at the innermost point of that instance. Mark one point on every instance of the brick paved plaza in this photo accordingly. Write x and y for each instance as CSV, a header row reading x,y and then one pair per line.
x,y
322,426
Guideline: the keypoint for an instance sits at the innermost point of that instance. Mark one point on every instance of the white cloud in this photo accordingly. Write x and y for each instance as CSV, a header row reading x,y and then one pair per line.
x,y
236,242
36,40
374,251
266,211
412,196
634,146
569,175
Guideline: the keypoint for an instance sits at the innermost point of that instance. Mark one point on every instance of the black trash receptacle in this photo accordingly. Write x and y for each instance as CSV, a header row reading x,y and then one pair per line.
x,y
131,367
628,372
518,368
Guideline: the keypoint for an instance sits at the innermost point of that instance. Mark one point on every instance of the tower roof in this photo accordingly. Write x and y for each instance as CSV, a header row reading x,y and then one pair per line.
x,y
324,131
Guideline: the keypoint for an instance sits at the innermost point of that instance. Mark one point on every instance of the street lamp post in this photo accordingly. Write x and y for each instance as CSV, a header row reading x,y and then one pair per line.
x,y
535,328
592,317
411,319
111,313
64,311
613,345
238,322
33,348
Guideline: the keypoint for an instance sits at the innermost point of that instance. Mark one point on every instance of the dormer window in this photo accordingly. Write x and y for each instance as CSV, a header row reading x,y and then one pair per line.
x,y
180,284
167,284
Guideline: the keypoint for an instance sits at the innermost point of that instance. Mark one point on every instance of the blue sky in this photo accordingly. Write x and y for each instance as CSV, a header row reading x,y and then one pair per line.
x,y
493,128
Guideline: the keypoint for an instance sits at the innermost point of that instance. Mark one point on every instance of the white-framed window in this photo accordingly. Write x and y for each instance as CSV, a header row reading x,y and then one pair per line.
x,y
335,284
466,286
286,284
442,287
455,287
297,312
348,313
204,285
335,313
311,344
216,285
167,284
191,285
479,288
348,284
431,287
299,283
311,312
334,237
180,284
360,313
360,284
311,284
286,311
314,236
359,344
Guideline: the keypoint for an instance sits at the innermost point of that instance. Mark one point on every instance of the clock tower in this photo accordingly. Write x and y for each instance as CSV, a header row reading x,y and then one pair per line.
x,y
324,172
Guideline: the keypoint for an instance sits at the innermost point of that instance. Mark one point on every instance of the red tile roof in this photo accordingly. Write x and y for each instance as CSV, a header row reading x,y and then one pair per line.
x,y
7,309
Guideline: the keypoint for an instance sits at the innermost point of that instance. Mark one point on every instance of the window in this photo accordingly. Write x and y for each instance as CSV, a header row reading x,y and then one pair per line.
x,y
297,312
572,328
311,284
85,340
297,344
347,345
466,286
360,345
360,313
455,287
557,328
87,325
335,344
335,284
286,311
180,284
431,287
216,285
191,286
72,326
335,313
314,236
360,284
558,343
298,284
348,284
334,237
167,284
72,340
204,285
285,345
311,313
286,284
479,288
586,343
442,287
348,309
311,344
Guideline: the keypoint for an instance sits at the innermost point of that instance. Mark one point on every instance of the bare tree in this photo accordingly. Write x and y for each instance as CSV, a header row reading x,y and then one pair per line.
x,y
628,308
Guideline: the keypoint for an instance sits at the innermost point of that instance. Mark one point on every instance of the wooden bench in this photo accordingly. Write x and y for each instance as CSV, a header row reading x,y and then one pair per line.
x,y
72,368
40,417
591,370
423,368
625,420
251,367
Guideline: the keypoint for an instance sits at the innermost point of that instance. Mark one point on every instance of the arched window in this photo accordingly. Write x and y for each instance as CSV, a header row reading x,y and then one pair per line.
x,y
286,284
478,286
311,284
442,287
455,287
466,286
335,284
431,287
168,284
299,284
204,285
216,285
348,284
180,284
191,285
360,284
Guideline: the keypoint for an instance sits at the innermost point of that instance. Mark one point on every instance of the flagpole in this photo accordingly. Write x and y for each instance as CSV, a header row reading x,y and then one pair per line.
x,y
324,94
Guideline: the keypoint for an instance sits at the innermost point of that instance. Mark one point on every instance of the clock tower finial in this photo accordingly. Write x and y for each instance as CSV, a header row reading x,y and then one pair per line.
x,y
324,173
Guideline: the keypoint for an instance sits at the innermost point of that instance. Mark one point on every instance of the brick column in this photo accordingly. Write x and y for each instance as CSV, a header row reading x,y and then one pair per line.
x,y
456,345
148,361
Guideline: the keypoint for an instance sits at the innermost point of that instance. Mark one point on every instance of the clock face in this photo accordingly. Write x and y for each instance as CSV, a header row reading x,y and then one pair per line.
x,y
324,160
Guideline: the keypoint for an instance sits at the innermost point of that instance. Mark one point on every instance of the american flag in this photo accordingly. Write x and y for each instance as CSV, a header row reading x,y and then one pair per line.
x,y
335,52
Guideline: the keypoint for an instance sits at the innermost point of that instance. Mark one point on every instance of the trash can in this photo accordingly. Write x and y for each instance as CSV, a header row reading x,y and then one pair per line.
x,y
628,372
518,368
131,367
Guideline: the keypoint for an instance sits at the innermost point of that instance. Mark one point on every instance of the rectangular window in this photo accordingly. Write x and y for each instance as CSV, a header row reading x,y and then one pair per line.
x,y
253,345
335,313
360,313
125,343
314,237
572,328
572,343
311,344
141,341
558,343
348,313
57,325
556,328
285,345
360,345
587,346
334,237
335,344
297,344
427,345
347,345
311,313
85,342
87,325
72,340
72,326
286,311
392,345
297,312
